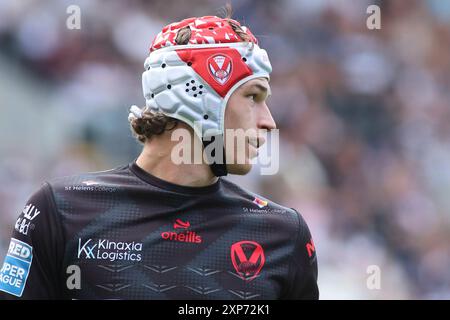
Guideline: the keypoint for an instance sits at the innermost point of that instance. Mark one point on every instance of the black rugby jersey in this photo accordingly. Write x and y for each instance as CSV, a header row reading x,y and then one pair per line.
x,y
125,234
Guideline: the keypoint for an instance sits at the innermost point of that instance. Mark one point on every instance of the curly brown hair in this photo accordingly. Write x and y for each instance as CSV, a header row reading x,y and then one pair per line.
x,y
151,124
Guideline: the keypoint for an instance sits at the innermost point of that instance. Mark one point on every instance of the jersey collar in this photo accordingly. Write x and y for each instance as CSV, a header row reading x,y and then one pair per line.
x,y
155,181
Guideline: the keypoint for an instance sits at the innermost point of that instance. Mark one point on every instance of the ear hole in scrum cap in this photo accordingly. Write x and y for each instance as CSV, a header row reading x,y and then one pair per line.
x,y
195,89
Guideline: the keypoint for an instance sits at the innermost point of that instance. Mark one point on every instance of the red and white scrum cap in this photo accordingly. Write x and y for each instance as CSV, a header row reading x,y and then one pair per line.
x,y
193,82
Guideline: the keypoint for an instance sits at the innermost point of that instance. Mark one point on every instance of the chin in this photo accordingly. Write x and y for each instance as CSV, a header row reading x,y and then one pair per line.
x,y
239,169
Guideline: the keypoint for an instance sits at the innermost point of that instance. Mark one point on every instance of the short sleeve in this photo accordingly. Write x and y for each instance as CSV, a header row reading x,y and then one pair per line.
x,y
303,268
32,265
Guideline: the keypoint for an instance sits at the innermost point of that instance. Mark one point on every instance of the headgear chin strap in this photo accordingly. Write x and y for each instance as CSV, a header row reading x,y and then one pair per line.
x,y
193,82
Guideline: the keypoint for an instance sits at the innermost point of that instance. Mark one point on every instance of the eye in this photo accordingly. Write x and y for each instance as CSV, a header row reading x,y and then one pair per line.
x,y
252,96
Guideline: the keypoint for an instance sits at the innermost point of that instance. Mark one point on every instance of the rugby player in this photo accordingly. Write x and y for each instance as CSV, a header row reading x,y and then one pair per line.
x,y
157,229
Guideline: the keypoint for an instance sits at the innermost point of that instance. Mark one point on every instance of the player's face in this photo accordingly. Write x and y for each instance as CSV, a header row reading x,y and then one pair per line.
x,y
247,110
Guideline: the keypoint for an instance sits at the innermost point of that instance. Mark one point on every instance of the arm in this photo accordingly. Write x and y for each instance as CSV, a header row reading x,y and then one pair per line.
x,y
303,267
32,266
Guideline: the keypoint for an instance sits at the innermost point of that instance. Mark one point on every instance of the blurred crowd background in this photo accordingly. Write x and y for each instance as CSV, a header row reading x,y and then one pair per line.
x,y
363,117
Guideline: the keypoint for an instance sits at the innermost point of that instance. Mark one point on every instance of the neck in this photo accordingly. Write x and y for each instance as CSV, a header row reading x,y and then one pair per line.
x,y
155,159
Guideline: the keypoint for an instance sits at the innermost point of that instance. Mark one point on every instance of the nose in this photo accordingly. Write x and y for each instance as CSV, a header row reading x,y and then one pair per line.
x,y
265,119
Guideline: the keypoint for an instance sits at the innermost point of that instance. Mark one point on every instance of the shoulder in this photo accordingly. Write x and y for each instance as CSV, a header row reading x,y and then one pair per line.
x,y
288,218
89,189
113,176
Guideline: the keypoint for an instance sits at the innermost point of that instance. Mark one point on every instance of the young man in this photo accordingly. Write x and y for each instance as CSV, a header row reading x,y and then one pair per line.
x,y
157,229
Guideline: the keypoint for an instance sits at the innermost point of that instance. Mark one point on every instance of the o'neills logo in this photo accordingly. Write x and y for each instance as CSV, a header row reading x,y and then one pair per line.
x,y
186,236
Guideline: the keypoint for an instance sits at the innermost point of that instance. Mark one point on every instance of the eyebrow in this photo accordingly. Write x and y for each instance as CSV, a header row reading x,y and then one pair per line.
x,y
263,88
